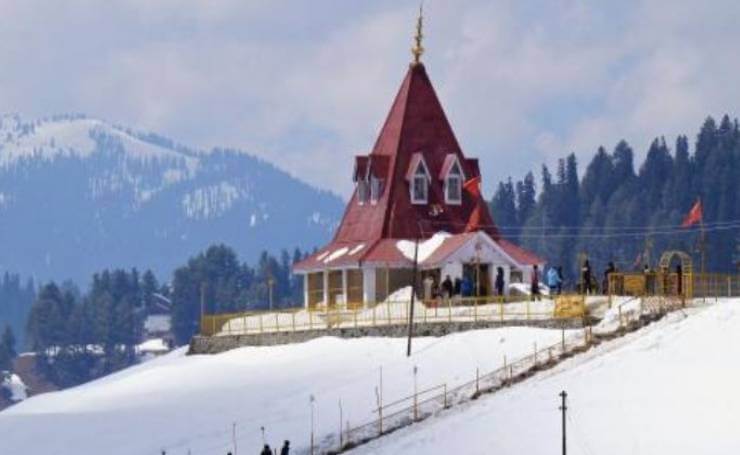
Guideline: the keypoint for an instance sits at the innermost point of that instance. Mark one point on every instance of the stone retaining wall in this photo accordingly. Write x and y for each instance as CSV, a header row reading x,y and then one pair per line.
x,y
222,343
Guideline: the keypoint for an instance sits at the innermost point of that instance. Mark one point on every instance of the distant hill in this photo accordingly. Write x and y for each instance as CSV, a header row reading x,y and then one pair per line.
x,y
79,194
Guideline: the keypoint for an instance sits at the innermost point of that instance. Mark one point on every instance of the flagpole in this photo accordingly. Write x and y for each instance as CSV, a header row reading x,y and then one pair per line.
x,y
703,246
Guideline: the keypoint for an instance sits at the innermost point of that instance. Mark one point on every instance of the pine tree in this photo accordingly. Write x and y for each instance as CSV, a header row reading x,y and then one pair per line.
x,y
7,349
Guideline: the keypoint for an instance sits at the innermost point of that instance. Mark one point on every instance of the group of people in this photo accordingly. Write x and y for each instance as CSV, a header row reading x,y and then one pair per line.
x,y
266,450
554,280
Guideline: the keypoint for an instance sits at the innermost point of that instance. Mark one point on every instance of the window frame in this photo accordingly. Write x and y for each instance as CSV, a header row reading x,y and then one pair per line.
x,y
459,175
421,173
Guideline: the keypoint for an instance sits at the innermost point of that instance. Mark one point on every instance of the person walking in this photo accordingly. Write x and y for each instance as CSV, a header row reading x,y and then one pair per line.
x,y
266,450
586,277
561,279
447,287
679,280
553,280
286,448
607,273
500,281
535,290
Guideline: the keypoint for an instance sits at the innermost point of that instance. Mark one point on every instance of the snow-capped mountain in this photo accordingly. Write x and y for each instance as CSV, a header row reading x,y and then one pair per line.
x,y
79,194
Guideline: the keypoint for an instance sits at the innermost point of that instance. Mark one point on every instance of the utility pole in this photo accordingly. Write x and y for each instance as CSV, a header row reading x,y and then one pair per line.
x,y
202,305
413,293
270,284
563,408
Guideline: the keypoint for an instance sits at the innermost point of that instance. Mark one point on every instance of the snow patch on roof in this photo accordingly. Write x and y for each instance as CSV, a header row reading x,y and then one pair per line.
x,y
426,248
336,254
356,249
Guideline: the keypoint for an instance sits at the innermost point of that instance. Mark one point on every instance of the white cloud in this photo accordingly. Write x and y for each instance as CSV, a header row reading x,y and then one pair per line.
x,y
307,84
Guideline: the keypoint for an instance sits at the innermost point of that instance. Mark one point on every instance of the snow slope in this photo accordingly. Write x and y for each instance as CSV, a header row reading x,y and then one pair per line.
x,y
179,402
668,389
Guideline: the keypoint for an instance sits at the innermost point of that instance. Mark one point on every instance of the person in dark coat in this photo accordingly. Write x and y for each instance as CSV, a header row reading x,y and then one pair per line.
x,y
266,450
536,283
457,287
586,277
679,280
609,270
286,448
499,281
447,287
560,279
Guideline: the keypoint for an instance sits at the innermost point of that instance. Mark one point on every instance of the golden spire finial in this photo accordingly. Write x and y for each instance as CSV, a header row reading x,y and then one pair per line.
x,y
418,49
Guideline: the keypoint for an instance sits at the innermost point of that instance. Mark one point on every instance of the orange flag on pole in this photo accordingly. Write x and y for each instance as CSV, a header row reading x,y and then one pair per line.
x,y
476,220
472,186
695,215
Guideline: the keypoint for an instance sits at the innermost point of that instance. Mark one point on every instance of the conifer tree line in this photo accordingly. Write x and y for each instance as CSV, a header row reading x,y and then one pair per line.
x,y
80,336
616,213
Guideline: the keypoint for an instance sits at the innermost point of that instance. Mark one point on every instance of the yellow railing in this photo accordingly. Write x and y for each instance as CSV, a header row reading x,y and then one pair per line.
x,y
353,315
670,284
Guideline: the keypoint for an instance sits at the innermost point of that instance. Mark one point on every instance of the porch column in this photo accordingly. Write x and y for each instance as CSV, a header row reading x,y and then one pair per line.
x,y
368,286
344,288
507,278
305,289
326,287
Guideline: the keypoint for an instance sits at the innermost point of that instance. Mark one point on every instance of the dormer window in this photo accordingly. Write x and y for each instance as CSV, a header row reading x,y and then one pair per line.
x,y
453,185
420,184
452,176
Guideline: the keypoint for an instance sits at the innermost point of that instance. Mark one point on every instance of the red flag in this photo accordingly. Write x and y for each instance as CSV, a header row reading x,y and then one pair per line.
x,y
475,221
695,215
472,186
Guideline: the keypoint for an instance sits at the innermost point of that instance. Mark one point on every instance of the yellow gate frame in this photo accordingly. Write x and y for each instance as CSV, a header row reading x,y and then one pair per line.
x,y
687,270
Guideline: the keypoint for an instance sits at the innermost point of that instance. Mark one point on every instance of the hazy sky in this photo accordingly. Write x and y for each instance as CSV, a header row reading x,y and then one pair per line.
x,y
306,84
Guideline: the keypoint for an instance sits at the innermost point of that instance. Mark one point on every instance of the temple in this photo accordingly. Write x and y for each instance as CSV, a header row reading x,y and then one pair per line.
x,y
415,186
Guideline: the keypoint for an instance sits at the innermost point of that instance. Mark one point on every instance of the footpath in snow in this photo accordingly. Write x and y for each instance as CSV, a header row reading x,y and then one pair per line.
x,y
667,389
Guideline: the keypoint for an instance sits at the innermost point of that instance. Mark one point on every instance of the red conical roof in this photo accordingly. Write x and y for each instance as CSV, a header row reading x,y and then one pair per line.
x,y
416,124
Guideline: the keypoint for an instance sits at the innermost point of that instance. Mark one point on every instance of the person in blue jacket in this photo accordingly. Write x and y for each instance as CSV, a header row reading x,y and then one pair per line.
x,y
553,280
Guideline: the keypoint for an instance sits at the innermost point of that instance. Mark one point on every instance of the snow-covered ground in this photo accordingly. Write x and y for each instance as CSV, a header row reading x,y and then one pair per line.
x,y
668,389
178,402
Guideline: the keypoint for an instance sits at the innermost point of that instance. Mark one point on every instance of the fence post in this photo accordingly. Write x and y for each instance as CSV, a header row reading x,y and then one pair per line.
x,y
477,380
729,286
475,309
444,395
501,311
261,327
527,310
620,316
562,338
292,314
505,369
535,353
277,322
449,310
310,319
245,329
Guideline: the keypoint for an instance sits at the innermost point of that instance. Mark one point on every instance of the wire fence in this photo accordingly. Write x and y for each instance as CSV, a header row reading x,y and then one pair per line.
x,y
429,402
452,310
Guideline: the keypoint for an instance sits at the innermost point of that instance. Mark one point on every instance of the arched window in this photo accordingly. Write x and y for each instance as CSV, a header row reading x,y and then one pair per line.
x,y
420,184
453,184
